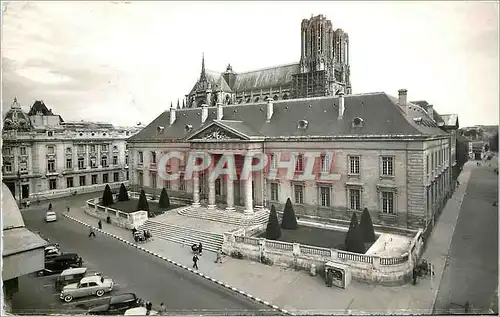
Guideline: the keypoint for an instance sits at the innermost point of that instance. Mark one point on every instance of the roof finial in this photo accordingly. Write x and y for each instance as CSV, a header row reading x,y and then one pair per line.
x,y
183,104
171,105
178,105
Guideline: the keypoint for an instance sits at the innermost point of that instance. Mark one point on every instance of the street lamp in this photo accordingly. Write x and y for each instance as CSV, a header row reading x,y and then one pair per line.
x,y
19,182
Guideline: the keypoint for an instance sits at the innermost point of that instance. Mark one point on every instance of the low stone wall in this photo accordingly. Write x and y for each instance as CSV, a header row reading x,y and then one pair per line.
x,y
57,193
173,200
366,268
118,218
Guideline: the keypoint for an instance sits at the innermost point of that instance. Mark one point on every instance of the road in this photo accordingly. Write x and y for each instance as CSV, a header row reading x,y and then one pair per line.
x,y
133,270
471,273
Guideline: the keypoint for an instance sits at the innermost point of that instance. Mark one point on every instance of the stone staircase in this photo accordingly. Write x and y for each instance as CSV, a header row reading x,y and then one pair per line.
x,y
231,217
183,235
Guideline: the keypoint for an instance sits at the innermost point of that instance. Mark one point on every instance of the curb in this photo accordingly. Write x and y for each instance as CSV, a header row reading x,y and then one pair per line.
x,y
233,289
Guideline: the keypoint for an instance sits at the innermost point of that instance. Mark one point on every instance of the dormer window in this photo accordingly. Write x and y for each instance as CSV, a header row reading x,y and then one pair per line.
x,y
50,133
357,122
188,127
302,124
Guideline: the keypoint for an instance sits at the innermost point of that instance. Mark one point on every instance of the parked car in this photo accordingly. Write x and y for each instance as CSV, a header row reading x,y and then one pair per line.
x,y
88,286
139,311
117,305
52,251
50,216
72,275
60,263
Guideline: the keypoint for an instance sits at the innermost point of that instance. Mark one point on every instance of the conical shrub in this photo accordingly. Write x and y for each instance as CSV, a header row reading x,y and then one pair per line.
x,y
289,221
143,202
273,230
164,202
107,196
123,195
354,239
366,227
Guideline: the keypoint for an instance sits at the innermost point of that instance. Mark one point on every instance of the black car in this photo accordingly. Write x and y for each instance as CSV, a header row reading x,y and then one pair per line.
x,y
60,263
117,305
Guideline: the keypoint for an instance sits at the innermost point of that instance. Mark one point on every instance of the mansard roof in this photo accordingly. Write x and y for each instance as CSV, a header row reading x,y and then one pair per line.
x,y
381,117
39,106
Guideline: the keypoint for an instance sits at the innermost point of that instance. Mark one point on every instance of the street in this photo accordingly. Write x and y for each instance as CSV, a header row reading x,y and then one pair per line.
x,y
471,273
133,270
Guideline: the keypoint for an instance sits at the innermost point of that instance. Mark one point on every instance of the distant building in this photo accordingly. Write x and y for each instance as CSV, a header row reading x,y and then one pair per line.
x,y
45,157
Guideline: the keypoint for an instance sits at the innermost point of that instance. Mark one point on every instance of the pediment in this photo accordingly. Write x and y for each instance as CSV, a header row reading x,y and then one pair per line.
x,y
217,132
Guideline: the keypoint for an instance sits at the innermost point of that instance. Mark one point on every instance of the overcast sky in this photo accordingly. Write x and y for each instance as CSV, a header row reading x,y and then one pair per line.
x,y
124,62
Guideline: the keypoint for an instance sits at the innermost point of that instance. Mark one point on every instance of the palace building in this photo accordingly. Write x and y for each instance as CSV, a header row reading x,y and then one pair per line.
x,y
45,157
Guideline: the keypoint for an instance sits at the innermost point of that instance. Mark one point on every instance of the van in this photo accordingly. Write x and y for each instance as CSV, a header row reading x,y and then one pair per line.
x,y
70,276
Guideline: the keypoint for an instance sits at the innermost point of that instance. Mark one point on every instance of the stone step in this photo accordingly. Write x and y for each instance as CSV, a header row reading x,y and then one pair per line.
x,y
183,235
260,217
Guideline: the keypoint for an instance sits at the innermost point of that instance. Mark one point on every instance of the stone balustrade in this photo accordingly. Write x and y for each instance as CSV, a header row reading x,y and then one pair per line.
x,y
117,217
57,193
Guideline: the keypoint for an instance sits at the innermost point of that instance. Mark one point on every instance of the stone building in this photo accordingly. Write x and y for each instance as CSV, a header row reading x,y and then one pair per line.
x,y
389,155
323,70
44,156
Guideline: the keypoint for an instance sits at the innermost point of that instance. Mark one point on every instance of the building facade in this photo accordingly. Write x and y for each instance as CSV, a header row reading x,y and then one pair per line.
x,y
323,70
43,156
388,155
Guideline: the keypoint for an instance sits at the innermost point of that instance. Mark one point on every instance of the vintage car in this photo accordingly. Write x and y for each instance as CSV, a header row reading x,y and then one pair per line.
x,y
72,275
117,305
52,251
139,311
88,286
50,216
60,263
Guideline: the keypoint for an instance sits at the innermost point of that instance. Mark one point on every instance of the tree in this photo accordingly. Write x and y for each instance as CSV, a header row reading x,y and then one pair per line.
x,y
494,143
143,202
273,230
366,227
354,238
123,195
289,222
164,200
107,196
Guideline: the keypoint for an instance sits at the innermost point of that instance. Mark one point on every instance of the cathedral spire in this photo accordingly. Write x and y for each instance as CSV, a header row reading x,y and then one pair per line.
x,y
178,105
203,76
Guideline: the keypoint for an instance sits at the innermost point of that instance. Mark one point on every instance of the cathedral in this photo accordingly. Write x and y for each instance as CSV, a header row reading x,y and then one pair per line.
x,y
323,70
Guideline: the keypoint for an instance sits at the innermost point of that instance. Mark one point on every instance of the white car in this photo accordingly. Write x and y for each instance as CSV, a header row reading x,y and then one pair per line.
x,y
139,311
50,216
88,286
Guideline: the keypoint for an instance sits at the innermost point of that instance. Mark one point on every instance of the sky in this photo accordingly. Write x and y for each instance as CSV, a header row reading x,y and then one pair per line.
x,y
125,62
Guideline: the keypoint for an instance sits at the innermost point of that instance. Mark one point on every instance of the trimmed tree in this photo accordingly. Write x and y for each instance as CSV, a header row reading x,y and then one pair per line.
x,y
143,202
164,200
123,195
366,227
273,230
354,238
289,222
107,196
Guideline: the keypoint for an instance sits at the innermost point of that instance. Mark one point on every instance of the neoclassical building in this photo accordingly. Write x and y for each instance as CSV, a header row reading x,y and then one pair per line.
x,y
323,70
388,154
43,156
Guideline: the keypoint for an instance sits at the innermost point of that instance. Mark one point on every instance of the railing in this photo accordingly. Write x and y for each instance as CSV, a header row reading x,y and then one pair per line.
x,y
355,257
306,249
285,246
246,240
394,261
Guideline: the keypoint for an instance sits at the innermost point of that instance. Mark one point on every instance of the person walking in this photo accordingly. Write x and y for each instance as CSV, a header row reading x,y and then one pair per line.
x,y
67,207
92,233
218,255
149,306
50,206
195,261
162,309
200,248
99,224
28,204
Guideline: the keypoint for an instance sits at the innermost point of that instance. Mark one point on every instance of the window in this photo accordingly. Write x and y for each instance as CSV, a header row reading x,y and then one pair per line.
x,y
126,159
427,165
387,166
92,148
141,157
7,167
274,161
153,157
354,165
166,184
69,182
115,148
325,163
115,160
93,162
324,196
51,165
116,177
82,180
50,149
23,166
52,184
182,183
299,194
299,164
104,161
22,150
50,133
105,178
81,149
68,150
355,199
94,179
69,163
153,180
104,147
274,192
7,151
388,202
81,163
217,187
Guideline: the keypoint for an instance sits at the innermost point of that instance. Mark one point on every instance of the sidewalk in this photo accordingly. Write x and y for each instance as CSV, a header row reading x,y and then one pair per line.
x,y
298,292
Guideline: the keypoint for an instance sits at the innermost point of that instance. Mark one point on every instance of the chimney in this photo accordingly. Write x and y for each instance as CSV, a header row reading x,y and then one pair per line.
x,y
430,111
220,112
270,108
403,101
204,113
341,104
172,114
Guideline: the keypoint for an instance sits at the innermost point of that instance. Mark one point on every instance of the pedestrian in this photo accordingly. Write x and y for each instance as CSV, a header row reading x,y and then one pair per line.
x,y
218,258
200,248
195,261
149,306
162,309
38,200
27,204
50,206
134,230
92,233
67,207
99,224
415,276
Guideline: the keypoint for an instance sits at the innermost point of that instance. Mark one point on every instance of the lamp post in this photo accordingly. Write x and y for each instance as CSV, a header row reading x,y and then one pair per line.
x,y
19,182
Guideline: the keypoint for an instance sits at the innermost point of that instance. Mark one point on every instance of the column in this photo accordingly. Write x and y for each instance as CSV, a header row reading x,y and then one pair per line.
x,y
211,193
230,193
248,195
196,190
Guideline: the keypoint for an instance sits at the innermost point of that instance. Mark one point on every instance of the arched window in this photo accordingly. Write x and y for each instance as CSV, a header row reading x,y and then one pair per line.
x,y
248,100
275,97
257,99
285,97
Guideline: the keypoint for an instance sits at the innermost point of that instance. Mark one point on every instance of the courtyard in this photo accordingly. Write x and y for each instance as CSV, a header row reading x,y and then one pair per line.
x,y
131,206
